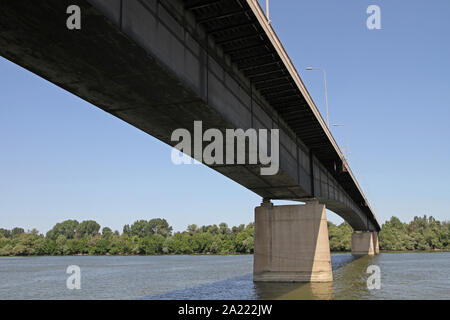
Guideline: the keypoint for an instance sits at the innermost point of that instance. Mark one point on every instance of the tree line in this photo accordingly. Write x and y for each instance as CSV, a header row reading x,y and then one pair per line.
x,y
156,237
152,237
423,233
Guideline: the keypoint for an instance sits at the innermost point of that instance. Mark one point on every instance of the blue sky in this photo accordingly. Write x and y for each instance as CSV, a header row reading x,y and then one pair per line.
x,y
62,158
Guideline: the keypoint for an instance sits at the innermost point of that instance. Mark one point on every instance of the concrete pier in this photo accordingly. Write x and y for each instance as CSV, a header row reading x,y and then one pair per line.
x,y
291,243
376,245
365,243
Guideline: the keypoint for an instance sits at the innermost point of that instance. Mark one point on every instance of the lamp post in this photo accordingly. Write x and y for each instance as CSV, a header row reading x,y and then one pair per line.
x,y
267,11
326,93
346,150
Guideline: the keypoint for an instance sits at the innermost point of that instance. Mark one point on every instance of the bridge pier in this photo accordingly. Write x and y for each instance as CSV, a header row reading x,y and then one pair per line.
x,y
376,243
291,243
365,243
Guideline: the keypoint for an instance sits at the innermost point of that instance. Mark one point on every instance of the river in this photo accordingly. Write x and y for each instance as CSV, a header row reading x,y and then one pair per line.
x,y
402,276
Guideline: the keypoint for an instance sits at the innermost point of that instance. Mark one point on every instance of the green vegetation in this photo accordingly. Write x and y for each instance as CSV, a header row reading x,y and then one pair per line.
x,y
141,238
420,234
340,237
155,237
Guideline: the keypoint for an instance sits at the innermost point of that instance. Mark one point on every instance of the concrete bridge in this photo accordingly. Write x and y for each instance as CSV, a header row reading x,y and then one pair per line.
x,y
161,65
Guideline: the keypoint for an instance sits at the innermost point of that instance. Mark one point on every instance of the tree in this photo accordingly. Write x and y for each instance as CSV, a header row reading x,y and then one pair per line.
x,y
87,228
16,232
340,236
243,242
61,245
66,228
223,228
4,233
160,226
180,244
126,230
192,228
236,230
107,232
140,228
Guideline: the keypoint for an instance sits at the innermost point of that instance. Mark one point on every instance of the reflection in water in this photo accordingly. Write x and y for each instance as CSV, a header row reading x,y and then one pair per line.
x,y
403,276
294,291
302,291
350,281
243,287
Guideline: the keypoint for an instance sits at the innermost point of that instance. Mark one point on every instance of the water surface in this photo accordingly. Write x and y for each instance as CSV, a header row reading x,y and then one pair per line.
x,y
403,276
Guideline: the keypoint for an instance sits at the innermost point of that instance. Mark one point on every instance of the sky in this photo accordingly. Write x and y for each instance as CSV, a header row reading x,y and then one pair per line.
x,y
62,158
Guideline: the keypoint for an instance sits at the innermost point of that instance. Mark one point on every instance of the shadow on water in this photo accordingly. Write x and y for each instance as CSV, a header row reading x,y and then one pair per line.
x,y
294,291
349,283
340,260
303,291
230,289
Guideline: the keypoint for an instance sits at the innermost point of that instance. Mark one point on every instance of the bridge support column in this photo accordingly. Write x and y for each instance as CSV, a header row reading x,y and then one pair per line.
x,y
376,245
291,243
365,243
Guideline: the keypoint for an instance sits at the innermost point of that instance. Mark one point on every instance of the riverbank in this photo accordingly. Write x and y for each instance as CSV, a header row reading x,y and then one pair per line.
x,y
212,254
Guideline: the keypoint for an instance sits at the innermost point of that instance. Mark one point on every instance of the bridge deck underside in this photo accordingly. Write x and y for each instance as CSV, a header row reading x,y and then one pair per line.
x,y
161,65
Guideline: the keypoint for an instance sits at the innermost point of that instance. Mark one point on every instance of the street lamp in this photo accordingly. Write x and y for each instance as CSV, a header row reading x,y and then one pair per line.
x,y
267,12
326,94
346,150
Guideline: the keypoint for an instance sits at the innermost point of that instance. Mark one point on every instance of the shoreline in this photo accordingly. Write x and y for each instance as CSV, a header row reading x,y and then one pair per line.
x,y
203,254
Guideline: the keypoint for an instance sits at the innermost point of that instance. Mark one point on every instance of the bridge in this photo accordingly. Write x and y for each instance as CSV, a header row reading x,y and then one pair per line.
x,y
161,65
